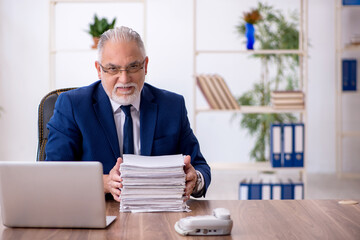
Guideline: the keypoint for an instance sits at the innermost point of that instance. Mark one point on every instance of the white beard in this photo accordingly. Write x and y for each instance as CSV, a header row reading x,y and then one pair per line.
x,y
125,99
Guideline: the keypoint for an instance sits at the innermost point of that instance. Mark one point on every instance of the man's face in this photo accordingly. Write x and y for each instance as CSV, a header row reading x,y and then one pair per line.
x,y
122,86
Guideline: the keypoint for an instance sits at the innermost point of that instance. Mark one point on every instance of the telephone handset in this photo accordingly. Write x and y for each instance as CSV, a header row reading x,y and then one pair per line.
x,y
217,224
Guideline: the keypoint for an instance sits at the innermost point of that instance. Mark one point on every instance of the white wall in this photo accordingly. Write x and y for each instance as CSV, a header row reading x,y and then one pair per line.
x,y
321,88
24,76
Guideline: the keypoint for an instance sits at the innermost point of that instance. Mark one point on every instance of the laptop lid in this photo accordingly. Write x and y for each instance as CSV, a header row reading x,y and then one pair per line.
x,y
53,194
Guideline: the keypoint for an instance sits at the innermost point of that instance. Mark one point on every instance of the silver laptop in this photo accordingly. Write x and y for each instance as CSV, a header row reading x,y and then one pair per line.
x,y
53,194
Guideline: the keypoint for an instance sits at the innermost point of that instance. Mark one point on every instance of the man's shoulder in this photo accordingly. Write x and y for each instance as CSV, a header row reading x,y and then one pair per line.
x,y
82,97
85,90
160,94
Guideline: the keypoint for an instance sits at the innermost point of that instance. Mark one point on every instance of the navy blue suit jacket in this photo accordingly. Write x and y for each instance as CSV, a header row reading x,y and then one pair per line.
x,y
83,128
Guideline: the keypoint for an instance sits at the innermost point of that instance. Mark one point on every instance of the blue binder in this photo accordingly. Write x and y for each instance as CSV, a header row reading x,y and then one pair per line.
x,y
349,74
255,188
250,189
275,145
298,151
286,190
288,145
351,2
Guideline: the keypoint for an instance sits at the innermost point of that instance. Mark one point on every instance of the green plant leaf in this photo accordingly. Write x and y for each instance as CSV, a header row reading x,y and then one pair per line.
x,y
274,31
99,26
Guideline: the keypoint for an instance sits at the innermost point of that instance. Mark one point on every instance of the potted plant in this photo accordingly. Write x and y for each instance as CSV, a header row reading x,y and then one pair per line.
x,y
98,27
250,19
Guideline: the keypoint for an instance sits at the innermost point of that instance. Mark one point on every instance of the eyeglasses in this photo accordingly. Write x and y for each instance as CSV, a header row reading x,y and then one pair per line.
x,y
132,68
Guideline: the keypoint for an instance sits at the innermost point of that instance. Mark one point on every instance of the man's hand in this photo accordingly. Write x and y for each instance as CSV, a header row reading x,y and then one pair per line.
x,y
191,177
112,181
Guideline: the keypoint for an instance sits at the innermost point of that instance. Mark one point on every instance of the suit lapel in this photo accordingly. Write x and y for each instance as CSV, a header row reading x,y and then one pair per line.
x,y
104,113
148,115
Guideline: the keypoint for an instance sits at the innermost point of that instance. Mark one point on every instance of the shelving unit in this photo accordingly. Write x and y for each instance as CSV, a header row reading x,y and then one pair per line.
x,y
52,30
343,50
303,54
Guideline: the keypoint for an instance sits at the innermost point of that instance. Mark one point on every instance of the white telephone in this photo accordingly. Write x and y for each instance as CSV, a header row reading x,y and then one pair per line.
x,y
217,224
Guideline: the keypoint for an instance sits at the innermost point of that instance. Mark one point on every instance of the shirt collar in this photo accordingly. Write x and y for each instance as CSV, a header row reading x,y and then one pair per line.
x,y
136,104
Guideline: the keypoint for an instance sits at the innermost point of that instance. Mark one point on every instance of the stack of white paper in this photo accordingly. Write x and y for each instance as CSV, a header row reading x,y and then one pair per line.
x,y
152,184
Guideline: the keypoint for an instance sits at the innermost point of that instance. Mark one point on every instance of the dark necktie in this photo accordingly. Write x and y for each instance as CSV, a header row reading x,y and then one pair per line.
x,y
128,138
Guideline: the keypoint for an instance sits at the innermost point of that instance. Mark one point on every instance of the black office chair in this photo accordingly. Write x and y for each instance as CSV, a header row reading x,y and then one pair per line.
x,y
46,110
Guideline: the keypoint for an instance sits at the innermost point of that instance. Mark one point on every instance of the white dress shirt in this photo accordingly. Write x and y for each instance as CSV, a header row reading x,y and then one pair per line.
x,y
119,117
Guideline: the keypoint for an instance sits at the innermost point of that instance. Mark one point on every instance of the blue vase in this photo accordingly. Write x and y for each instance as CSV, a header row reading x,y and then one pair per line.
x,y
250,35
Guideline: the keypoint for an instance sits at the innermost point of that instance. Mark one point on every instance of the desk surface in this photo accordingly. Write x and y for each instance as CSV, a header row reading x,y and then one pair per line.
x,y
253,219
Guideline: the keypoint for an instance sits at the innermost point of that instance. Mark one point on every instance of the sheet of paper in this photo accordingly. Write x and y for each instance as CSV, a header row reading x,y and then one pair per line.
x,y
153,161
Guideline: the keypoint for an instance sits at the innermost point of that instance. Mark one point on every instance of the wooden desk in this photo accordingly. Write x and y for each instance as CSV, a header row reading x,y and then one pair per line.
x,y
255,219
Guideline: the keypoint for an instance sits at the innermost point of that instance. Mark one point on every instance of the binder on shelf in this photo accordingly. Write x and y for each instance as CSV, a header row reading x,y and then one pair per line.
x,y
275,145
255,188
349,74
276,190
219,93
244,190
286,190
279,189
266,191
298,189
288,145
351,2
205,89
226,91
216,92
250,189
298,151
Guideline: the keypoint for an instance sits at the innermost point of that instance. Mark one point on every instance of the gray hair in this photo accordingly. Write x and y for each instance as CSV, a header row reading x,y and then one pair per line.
x,y
120,34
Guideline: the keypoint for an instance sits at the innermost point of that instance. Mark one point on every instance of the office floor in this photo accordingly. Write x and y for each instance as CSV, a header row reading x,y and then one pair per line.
x,y
225,186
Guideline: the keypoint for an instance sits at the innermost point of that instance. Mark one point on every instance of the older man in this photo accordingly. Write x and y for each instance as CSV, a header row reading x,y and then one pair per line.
x,y
121,114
